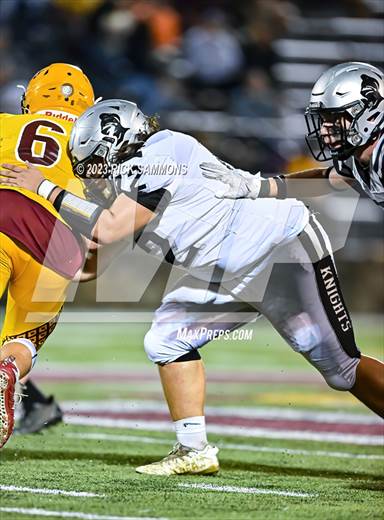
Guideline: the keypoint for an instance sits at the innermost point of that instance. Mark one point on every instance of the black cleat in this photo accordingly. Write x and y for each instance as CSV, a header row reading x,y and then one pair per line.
x,y
42,415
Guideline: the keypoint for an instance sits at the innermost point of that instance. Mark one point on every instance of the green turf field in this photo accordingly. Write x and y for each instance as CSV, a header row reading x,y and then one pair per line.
x,y
120,347
335,488
261,477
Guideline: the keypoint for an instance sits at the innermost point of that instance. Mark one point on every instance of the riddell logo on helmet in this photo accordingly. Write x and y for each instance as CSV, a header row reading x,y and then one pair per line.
x,y
60,115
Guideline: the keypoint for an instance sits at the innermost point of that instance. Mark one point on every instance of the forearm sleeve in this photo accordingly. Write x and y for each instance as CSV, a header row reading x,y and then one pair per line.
x,y
79,213
308,183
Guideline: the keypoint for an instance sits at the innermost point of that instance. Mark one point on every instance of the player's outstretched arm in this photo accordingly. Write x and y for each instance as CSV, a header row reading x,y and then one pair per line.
x,y
103,226
326,180
241,184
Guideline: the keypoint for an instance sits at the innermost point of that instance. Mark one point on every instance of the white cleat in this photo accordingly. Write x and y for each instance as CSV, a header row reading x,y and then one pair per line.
x,y
184,461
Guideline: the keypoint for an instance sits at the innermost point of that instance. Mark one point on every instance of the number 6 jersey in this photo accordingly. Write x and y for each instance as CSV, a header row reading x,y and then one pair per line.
x,y
42,140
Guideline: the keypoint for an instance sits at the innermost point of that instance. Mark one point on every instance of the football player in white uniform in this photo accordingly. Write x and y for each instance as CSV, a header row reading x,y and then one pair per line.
x,y
243,259
345,120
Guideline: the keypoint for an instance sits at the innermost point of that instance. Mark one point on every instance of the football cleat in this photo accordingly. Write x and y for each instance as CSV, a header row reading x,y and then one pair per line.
x,y
8,371
184,461
42,415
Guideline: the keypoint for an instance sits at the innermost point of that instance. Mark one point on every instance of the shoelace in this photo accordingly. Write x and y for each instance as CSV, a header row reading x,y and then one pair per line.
x,y
175,450
179,447
19,397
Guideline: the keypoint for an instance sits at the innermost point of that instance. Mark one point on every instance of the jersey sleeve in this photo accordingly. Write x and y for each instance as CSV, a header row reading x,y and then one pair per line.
x,y
377,161
150,181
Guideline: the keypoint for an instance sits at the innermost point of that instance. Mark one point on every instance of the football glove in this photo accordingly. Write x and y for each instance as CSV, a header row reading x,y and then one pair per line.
x,y
240,184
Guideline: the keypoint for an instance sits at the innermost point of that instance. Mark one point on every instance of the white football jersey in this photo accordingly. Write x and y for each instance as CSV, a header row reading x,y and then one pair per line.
x,y
214,239
371,179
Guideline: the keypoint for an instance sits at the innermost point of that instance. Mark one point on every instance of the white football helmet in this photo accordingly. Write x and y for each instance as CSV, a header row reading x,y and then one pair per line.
x,y
103,132
348,100
107,133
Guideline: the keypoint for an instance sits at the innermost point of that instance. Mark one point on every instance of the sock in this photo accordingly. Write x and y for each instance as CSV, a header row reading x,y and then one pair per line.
x,y
191,432
33,396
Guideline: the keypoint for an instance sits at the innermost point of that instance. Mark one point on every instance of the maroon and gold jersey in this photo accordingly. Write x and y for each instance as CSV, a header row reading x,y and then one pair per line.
x,y
41,140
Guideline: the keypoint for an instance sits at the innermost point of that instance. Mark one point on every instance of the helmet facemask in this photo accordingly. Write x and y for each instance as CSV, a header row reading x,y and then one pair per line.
x,y
336,134
330,134
346,111
104,137
95,172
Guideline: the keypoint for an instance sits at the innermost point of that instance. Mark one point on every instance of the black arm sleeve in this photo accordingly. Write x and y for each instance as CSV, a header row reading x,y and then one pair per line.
x,y
79,213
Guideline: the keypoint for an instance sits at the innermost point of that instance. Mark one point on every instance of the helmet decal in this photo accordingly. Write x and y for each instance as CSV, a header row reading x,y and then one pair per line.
x,y
105,136
111,126
370,90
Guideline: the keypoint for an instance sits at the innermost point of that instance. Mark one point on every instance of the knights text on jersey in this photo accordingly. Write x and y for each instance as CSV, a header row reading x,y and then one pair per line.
x,y
194,228
371,179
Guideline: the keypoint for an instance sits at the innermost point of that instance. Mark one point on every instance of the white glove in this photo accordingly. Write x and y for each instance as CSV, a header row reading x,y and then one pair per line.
x,y
241,184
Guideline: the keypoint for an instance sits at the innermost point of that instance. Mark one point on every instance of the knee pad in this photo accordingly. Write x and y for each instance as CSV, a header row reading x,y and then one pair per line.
x,y
157,351
164,350
28,344
345,379
150,346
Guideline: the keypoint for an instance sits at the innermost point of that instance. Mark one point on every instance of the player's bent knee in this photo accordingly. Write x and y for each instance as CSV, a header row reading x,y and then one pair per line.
x,y
163,350
192,355
338,382
28,344
345,378
156,350
150,346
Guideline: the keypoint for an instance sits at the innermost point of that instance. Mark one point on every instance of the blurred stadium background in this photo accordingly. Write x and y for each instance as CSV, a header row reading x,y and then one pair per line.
x,y
237,75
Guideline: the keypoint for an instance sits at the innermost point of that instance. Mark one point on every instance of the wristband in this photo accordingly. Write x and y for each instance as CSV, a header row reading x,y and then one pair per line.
x,y
45,188
265,188
281,187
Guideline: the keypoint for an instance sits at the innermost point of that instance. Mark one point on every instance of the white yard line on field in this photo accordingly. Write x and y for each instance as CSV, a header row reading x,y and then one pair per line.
x,y
252,491
248,412
45,491
233,431
70,514
225,446
118,438
316,453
